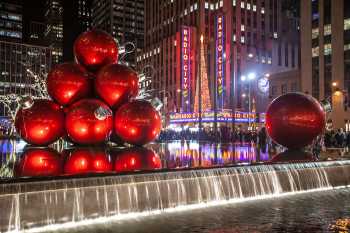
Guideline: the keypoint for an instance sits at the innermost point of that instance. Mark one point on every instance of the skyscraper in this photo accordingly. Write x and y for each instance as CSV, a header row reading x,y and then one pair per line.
x,y
11,20
76,19
15,59
54,28
325,55
124,19
240,37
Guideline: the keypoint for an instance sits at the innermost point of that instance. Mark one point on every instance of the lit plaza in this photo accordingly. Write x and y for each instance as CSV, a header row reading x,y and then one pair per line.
x,y
174,116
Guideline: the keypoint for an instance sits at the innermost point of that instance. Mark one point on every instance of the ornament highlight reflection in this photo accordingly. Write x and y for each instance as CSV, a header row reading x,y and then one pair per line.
x,y
136,159
36,162
87,161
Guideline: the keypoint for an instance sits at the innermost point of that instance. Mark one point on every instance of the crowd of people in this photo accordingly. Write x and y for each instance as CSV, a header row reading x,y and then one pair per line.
x,y
338,139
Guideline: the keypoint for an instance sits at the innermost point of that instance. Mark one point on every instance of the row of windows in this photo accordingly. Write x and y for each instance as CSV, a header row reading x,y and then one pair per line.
x,y
12,34
328,29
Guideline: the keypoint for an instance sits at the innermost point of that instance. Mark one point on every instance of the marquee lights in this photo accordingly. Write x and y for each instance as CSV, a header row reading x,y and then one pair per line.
x,y
186,66
220,64
222,116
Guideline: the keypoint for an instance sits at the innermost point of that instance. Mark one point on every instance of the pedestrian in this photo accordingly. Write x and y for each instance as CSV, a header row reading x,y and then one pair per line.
x,y
262,139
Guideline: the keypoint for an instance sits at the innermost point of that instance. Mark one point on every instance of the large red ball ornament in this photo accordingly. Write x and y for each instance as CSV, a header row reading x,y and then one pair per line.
x,y
137,122
116,84
87,160
94,49
39,162
68,82
40,123
136,159
294,120
89,121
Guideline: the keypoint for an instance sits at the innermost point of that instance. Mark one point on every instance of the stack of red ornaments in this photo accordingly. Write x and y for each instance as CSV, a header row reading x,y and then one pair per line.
x,y
93,100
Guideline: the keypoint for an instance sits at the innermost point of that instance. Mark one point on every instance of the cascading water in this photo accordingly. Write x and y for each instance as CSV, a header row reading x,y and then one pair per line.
x,y
78,201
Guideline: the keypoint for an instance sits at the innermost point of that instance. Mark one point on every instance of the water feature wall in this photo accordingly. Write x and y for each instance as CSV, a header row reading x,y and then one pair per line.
x,y
37,204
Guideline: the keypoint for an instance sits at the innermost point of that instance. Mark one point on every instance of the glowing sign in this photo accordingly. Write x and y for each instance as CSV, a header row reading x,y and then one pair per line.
x,y
186,67
220,64
222,116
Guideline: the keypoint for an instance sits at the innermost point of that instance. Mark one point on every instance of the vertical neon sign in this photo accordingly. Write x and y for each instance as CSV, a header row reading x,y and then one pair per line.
x,y
220,63
186,68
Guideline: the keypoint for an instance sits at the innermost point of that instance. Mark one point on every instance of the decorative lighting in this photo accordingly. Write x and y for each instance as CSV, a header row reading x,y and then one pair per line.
x,y
251,76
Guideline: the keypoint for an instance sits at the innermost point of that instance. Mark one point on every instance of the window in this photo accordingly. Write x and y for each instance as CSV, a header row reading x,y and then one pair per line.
x,y
284,89
273,90
327,49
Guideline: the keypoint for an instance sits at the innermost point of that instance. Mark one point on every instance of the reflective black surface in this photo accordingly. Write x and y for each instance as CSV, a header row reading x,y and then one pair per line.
x,y
312,212
20,160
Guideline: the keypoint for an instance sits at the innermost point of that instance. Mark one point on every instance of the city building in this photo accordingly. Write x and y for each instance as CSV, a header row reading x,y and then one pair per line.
x,y
325,55
15,59
76,19
54,29
238,42
36,33
11,20
124,19
283,83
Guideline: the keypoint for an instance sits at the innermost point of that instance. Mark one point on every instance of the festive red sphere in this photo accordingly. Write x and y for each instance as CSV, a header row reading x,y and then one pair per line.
x,y
68,82
39,162
294,120
40,124
94,49
136,159
87,160
116,84
137,122
89,121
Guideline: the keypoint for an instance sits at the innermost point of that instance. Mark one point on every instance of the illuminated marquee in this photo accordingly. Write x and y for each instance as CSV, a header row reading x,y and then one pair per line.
x,y
220,64
186,67
222,116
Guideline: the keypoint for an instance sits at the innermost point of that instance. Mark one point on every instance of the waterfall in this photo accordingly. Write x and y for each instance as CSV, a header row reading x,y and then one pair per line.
x,y
72,201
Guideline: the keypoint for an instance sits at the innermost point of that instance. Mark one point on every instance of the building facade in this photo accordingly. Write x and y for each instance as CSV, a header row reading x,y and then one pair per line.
x,y
76,19
325,55
124,19
54,29
15,59
11,20
236,38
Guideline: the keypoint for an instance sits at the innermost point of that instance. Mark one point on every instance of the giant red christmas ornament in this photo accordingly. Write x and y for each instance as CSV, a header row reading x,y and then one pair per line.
x,y
136,159
40,123
87,160
89,121
94,49
294,120
39,162
68,82
116,84
137,122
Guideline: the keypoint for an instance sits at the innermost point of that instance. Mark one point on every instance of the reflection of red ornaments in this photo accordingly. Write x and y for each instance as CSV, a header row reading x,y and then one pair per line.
x,y
89,121
40,124
39,162
68,82
137,122
136,159
87,160
294,120
116,84
94,49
